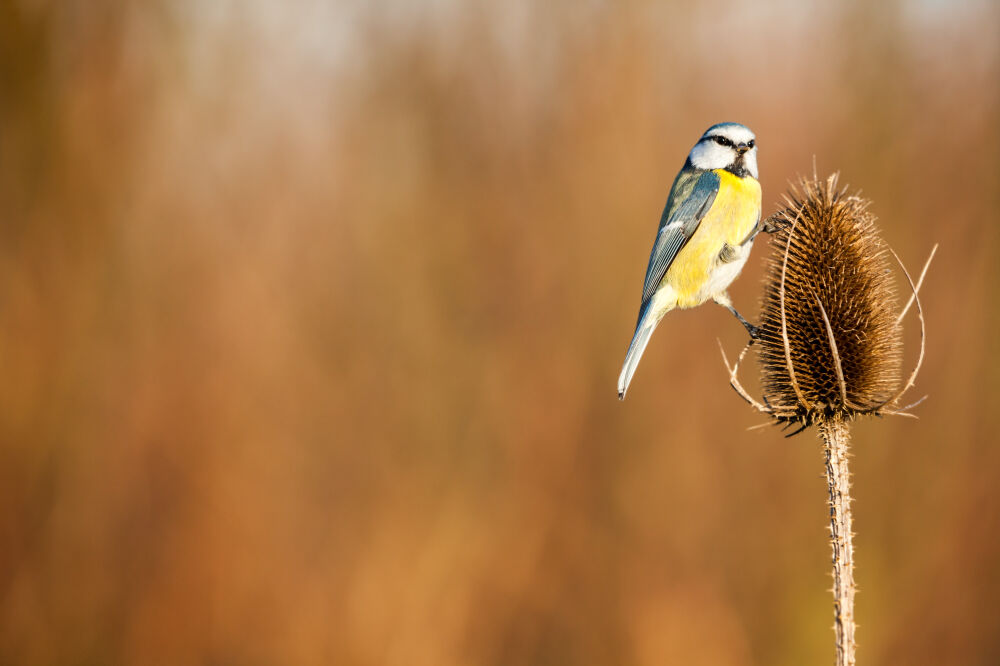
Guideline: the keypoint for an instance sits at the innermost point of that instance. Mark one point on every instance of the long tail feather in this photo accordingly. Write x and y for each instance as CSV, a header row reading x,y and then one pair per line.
x,y
643,331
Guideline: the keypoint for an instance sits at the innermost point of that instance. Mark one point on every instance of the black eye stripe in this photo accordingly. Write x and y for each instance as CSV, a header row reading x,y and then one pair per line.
x,y
725,141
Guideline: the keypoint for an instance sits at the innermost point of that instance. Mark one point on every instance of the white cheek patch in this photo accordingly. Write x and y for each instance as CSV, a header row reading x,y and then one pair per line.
x,y
750,162
710,155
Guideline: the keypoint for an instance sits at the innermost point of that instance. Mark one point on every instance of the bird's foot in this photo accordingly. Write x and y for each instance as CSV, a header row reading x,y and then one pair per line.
x,y
773,224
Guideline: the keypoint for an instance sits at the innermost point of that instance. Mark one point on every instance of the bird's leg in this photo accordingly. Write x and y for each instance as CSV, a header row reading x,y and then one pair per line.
x,y
771,225
723,300
754,331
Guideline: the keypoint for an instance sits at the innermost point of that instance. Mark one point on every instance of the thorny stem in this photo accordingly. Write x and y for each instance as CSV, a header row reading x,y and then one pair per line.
x,y
836,438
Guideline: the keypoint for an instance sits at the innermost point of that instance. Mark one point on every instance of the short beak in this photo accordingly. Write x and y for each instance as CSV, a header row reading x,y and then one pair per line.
x,y
742,148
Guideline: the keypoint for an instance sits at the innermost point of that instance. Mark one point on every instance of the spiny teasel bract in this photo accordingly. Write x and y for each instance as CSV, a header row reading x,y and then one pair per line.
x,y
830,271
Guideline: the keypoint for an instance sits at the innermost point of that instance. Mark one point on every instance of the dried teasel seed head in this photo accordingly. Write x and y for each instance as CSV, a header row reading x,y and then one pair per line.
x,y
829,293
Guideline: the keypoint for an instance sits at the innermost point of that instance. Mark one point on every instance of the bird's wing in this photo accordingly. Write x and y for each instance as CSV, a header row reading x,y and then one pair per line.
x,y
691,197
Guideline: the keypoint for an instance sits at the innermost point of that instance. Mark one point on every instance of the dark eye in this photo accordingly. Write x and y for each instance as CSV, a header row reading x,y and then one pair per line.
x,y
750,143
722,141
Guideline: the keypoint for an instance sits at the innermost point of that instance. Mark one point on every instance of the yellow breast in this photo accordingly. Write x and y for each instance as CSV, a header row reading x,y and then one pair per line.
x,y
731,218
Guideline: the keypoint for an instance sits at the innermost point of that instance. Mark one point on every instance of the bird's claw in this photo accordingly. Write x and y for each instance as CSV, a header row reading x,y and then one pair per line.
x,y
773,225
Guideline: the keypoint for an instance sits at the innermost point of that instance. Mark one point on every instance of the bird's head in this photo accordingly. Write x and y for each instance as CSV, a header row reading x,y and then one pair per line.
x,y
729,146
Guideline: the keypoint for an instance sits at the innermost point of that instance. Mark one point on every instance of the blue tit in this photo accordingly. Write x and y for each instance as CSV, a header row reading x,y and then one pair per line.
x,y
706,231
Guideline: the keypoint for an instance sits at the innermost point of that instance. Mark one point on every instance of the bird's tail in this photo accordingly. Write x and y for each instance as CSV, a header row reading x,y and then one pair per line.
x,y
643,331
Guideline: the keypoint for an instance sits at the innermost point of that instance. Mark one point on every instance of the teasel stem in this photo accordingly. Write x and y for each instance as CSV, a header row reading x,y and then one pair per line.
x,y
836,438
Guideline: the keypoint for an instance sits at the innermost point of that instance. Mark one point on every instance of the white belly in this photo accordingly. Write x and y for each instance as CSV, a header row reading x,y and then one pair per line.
x,y
723,274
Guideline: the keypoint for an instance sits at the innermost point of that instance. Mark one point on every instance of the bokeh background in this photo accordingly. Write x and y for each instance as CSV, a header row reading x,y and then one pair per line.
x,y
311,316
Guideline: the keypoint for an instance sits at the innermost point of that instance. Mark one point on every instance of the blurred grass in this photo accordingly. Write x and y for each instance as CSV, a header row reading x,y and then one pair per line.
x,y
310,319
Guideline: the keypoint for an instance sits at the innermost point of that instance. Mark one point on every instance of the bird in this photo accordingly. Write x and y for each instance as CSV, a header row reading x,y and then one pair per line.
x,y
705,234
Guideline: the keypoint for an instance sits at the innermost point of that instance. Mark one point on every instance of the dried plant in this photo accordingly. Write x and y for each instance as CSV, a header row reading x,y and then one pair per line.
x,y
830,346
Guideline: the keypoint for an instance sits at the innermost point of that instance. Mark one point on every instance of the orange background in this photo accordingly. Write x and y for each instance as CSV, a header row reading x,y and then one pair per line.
x,y
311,316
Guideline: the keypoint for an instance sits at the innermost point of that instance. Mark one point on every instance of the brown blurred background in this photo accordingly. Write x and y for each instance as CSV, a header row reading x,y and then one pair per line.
x,y
311,315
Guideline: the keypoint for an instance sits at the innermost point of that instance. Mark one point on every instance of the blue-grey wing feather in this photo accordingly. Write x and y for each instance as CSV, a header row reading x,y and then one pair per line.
x,y
690,198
